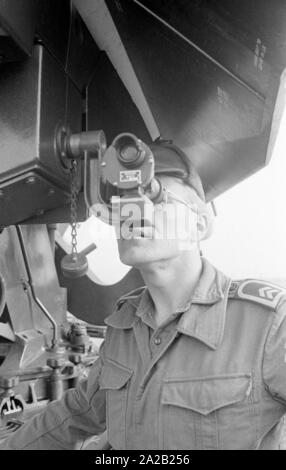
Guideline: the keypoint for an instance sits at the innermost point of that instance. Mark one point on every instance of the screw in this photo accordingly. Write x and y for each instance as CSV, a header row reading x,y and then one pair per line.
x,y
39,212
31,180
51,191
75,359
103,164
25,286
9,382
56,363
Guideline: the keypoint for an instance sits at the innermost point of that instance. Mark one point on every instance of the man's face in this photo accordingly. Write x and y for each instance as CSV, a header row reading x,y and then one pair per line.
x,y
172,231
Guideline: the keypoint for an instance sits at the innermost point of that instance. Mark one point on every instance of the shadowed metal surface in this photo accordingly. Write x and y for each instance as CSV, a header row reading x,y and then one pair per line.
x,y
210,73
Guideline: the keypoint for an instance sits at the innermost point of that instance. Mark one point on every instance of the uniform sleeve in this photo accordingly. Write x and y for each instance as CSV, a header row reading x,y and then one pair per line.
x,y
67,423
274,360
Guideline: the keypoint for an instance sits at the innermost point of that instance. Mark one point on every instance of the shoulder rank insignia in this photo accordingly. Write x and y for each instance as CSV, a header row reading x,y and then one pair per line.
x,y
132,295
261,292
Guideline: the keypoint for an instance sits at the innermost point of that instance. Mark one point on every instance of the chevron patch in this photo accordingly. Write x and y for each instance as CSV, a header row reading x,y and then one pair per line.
x,y
261,292
268,292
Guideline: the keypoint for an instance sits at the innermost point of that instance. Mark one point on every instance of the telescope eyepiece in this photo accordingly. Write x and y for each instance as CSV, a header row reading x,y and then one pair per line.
x,y
129,151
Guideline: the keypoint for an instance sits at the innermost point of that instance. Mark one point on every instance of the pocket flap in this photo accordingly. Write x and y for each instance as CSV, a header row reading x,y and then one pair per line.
x,y
206,394
114,376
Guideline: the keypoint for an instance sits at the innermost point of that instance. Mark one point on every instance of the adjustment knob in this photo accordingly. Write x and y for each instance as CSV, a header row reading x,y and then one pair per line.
x,y
75,265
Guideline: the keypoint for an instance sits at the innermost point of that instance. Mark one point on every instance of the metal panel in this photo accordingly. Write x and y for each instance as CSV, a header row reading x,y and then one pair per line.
x,y
35,97
29,193
83,53
24,313
17,26
247,37
53,24
209,83
109,106
30,326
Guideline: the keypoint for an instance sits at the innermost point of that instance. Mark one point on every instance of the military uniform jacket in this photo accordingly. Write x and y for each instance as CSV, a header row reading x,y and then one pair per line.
x,y
213,377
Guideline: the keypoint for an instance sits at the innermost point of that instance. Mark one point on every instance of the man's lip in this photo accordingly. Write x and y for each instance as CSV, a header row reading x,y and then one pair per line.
x,y
140,233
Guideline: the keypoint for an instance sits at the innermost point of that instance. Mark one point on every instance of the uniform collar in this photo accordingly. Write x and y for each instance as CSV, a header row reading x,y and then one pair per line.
x,y
210,287
124,318
203,316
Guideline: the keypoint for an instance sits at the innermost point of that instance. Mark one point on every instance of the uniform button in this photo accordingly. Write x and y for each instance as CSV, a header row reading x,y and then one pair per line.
x,y
157,341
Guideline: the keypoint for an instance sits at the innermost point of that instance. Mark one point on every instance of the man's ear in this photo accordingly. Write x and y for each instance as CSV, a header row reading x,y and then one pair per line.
x,y
205,223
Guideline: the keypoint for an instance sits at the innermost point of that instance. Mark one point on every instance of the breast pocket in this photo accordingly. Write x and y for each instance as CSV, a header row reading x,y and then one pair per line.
x,y
115,380
209,413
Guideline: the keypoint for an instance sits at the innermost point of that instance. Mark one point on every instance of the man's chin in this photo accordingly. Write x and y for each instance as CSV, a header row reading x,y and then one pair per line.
x,y
134,260
137,256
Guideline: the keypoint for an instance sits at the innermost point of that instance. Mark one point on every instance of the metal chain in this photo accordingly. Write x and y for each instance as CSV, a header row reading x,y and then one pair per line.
x,y
74,197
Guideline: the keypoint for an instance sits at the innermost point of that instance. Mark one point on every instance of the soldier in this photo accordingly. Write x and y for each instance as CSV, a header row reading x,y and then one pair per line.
x,y
193,360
